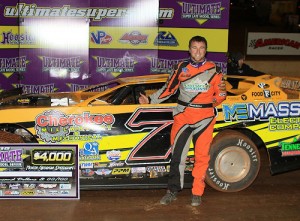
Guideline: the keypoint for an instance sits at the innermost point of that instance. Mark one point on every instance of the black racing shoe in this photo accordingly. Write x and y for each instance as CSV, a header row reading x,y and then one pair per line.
x,y
196,200
168,198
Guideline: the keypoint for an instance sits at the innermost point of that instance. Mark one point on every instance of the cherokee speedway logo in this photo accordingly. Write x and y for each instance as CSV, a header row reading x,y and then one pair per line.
x,y
55,126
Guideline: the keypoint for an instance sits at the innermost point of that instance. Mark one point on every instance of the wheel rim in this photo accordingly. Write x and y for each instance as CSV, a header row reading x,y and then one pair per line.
x,y
232,164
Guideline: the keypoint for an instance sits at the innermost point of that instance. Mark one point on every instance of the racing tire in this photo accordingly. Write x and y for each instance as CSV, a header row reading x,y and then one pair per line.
x,y
234,162
6,137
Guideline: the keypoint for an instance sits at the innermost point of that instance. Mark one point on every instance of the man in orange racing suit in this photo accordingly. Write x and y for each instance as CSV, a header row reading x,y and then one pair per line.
x,y
201,88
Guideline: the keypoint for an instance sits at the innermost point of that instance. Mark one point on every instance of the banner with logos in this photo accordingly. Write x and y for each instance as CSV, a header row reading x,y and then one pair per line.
x,y
262,43
31,171
61,46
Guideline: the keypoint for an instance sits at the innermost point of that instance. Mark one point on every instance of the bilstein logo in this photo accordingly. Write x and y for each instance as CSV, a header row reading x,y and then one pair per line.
x,y
54,126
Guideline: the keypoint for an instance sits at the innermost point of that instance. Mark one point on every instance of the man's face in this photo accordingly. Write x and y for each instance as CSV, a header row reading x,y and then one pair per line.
x,y
241,62
197,51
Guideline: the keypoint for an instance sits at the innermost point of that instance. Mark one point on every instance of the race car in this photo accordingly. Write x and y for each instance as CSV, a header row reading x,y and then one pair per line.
x,y
123,144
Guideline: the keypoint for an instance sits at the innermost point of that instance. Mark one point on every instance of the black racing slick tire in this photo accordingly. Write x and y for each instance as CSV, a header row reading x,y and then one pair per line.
x,y
6,137
234,162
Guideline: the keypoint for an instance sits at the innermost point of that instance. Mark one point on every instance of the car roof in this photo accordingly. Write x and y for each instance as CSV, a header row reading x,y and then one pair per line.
x,y
133,80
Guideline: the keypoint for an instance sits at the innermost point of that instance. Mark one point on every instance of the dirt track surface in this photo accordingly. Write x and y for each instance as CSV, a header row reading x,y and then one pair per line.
x,y
268,198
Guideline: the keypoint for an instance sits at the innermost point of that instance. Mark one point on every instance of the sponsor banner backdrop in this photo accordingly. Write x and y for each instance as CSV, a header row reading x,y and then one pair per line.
x,y
107,64
39,171
61,46
165,62
261,43
11,66
194,14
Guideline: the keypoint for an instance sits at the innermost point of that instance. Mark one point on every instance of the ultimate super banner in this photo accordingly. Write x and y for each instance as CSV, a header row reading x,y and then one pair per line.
x,y
39,171
49,46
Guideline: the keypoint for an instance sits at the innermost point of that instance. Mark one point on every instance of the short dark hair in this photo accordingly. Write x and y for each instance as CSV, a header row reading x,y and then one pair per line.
x,y
198,39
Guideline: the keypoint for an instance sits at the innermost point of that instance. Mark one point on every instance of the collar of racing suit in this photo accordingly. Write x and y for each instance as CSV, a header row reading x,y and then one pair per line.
x,y
197,64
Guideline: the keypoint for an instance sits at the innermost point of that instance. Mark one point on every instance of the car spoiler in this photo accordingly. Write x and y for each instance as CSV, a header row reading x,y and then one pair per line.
x,y
12,92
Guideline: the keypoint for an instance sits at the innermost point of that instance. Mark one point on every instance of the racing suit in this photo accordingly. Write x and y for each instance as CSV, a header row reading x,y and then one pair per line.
x,y
201,89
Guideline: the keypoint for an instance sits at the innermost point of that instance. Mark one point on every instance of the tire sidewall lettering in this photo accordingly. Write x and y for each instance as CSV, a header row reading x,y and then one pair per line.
x,y
247,147
232,139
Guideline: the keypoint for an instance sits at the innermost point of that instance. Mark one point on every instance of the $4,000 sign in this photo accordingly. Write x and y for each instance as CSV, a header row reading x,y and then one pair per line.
x,y
39,171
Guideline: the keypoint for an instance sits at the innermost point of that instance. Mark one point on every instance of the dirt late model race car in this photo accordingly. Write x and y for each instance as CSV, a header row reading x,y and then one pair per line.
x,y
123,144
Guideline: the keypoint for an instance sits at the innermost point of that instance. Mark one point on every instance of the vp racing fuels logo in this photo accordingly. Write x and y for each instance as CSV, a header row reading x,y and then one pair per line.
x,y
55,126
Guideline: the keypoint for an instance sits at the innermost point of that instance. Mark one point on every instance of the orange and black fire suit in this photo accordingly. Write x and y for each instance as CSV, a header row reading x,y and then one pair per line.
x,y
201,88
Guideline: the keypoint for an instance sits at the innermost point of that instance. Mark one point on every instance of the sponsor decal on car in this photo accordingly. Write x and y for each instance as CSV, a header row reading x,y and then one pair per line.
x,y
113,155
54,126
138,172
103,172
87,172
86,165
121,171
115,164
156,171
290,84
290,148
90,152
262,111
284,124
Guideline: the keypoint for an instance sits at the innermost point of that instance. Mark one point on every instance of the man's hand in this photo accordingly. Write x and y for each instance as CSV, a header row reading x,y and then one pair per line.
x,y
143,99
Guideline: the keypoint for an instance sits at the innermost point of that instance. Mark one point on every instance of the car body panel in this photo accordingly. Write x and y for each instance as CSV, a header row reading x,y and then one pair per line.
x,y
124,145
